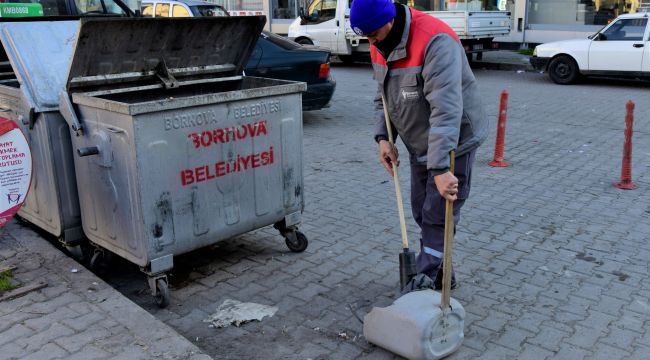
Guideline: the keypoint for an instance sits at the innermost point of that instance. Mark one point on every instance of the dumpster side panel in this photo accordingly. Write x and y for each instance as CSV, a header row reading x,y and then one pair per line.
x,y
108,190
216,171
52,203
170,180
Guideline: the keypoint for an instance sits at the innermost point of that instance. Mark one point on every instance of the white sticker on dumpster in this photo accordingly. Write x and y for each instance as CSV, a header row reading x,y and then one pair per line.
x,y
15,169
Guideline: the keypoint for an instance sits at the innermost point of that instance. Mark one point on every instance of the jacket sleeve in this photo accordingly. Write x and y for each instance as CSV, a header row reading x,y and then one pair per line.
x,y
380,122
442,75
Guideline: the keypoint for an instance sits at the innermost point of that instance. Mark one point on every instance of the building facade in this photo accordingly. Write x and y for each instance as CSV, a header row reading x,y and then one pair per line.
x,y
540,21
533,21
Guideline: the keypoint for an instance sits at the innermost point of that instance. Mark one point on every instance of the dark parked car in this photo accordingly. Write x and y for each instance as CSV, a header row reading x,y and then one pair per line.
x,y
280,58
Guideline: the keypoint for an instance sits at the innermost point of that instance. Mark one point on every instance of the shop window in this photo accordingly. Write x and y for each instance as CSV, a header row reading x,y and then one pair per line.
x,y
180,11
579,12
625,30
460,5
162,10
284,9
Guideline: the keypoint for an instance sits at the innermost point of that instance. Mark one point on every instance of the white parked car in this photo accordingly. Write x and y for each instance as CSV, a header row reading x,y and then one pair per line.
x,y
621,49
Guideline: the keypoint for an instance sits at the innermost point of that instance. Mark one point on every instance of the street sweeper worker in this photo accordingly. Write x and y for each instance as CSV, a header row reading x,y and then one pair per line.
x,y
434,106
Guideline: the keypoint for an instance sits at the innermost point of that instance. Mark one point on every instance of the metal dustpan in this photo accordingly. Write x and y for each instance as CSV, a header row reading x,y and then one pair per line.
x,y
422,324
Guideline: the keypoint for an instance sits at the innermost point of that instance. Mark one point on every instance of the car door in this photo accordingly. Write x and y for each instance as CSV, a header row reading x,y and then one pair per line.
x,y
619,47
646,51
147,9
322,23
180,10
162,10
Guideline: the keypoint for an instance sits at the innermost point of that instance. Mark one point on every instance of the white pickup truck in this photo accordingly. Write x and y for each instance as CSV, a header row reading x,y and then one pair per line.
x,y
327,24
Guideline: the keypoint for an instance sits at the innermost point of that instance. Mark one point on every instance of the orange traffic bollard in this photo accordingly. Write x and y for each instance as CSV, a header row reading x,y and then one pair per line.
x,y
626,166
501,133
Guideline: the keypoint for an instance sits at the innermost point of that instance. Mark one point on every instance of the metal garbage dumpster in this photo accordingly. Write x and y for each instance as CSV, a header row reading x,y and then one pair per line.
x,y
177,149
33,67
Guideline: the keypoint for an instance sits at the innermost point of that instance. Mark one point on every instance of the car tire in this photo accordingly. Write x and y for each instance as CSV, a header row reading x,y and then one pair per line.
x,y
563,70
304,41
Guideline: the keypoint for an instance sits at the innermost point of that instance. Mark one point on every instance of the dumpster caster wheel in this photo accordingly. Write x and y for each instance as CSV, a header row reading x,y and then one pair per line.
x,y
296,241
76,251
21,220
162,293
99,262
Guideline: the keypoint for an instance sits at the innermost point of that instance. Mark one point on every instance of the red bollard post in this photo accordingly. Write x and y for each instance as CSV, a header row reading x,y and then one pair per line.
x,y
501,133
626,166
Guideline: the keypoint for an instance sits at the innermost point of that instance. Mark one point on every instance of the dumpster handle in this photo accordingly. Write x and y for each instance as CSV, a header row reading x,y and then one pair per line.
x,y
162,71
87,151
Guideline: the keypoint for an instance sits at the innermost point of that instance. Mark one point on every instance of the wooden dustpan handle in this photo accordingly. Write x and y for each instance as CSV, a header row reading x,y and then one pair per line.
x,y
449,242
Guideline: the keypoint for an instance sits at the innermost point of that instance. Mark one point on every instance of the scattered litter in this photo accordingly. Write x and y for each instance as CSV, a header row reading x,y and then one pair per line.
x,y
581,151
529,232
520,71
237,313
585,145
343,335
95,283
74,270
316,329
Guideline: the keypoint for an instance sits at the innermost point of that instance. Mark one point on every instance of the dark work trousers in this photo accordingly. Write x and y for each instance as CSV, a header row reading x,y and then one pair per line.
x,y
429,210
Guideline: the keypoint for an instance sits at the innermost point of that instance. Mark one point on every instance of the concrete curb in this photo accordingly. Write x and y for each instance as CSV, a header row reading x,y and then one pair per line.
x,y
78,315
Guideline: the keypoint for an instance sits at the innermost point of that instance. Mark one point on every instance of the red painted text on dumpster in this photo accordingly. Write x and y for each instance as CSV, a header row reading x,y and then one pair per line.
x,y
226,135
222,168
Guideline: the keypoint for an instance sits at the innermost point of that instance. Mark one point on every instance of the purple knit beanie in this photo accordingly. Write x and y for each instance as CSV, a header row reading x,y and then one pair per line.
x,y
367,16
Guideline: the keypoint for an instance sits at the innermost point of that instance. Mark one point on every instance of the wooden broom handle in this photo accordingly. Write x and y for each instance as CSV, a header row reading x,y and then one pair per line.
x,y
398,190
449,242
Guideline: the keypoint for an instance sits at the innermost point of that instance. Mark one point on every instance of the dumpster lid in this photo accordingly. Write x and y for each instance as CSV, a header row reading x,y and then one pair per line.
x,y
148,51
39,53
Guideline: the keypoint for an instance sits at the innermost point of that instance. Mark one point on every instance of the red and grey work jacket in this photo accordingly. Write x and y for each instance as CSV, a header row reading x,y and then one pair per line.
x,y
432,95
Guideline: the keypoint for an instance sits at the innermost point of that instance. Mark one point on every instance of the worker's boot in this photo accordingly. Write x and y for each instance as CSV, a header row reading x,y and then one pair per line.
x,y
438,281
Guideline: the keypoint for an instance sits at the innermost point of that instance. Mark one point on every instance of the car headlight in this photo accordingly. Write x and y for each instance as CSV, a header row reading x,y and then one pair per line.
x,y
535,51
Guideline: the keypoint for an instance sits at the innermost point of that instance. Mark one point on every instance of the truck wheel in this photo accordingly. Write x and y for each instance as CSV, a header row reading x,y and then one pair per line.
x,y
304,41
563,70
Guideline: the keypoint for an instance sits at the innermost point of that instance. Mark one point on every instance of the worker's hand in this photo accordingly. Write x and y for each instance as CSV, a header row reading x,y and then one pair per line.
x,y
447,185
388,155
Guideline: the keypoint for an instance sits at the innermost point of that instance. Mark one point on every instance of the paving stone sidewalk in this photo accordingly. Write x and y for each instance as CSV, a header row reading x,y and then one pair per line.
x,y
77,315
552,260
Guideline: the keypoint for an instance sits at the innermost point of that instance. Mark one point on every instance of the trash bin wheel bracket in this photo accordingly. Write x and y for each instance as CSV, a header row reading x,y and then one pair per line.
x,y
295,240
159,289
